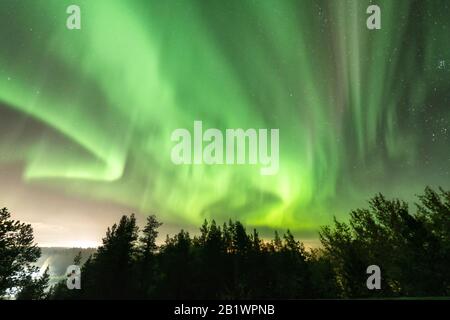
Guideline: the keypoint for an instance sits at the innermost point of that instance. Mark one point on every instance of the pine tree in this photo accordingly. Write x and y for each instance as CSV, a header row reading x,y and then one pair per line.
x,y
34,288
147,268
109,274
17,252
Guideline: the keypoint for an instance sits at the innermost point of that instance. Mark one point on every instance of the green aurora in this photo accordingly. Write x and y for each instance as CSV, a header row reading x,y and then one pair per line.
x,y
90,112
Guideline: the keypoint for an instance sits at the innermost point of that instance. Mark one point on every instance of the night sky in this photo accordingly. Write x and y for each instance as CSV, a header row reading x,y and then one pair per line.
x,y
86,115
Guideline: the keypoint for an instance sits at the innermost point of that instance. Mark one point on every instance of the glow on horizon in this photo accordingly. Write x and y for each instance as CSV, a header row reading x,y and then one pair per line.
x,y
83,244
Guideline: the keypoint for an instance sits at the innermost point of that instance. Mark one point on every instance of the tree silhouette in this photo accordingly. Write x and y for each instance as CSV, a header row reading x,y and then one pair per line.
x,y
34,288
17,254
226,262
176,268
409,248
147,262
108,275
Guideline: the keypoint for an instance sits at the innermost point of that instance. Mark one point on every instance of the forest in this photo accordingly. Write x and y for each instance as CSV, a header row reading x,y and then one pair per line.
x,y
227,261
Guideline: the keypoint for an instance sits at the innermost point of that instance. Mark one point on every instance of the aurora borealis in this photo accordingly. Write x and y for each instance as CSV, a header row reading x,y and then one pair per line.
x,y
87,114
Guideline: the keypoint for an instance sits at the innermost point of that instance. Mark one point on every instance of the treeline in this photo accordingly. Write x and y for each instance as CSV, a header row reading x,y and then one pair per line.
x,y
229,262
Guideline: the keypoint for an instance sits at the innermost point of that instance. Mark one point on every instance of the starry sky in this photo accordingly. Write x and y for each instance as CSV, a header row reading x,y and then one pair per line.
x,y
86,115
